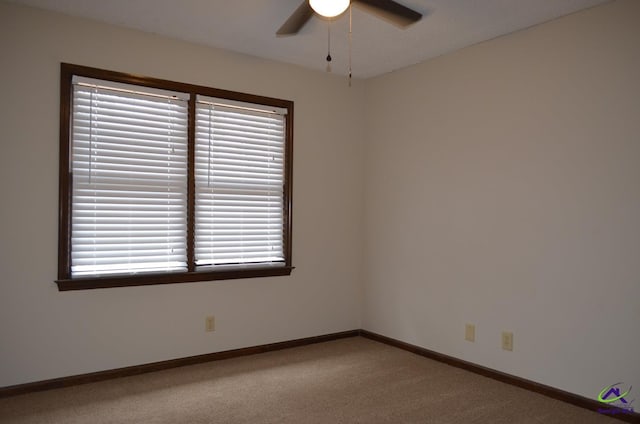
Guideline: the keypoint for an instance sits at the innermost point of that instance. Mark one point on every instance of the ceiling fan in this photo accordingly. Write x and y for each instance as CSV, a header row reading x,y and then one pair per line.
x,y
389,10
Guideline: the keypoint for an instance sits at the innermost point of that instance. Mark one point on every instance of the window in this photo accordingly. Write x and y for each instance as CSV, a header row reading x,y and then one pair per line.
x,y
164,182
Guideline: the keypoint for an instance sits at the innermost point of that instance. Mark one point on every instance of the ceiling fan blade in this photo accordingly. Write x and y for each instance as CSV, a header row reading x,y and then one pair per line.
x,y
297,20
390,10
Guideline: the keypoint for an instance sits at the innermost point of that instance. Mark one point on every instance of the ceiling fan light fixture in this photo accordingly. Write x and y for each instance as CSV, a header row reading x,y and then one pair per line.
x,y
329,8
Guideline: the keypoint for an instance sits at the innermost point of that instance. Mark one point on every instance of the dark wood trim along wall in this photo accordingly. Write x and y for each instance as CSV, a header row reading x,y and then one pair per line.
x,y
76,380
532,386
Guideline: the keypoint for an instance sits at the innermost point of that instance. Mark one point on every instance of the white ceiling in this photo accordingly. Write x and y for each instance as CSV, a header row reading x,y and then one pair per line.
x,y
249,26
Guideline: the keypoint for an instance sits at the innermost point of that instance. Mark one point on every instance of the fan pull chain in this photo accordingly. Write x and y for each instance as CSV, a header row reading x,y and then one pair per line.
x,y
350,42
329,46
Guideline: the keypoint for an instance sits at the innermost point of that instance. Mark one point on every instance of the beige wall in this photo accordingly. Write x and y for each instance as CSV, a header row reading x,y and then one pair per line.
x,y
500,188
503,189
45,333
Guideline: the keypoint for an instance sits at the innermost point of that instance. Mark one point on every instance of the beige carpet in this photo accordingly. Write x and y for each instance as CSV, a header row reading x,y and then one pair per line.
x,y
353,380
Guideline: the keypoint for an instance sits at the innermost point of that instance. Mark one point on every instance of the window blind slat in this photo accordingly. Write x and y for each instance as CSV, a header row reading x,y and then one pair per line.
x,y
129,189
129,169
239,169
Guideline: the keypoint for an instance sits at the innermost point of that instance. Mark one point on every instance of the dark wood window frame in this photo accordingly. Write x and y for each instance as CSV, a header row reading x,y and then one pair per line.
x,y
65,280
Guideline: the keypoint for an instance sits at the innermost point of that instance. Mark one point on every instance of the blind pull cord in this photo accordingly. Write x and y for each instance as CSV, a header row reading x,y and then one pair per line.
x,y
91,134
210,146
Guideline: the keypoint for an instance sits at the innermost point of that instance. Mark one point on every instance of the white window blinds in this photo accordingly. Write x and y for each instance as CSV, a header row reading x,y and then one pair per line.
x,y
129,176
239,167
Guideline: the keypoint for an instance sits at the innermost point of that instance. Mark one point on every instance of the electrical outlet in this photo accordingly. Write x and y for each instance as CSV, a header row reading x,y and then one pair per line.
x,y
470,332
507,340
209,323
